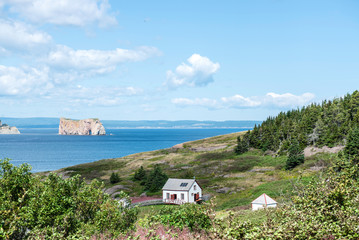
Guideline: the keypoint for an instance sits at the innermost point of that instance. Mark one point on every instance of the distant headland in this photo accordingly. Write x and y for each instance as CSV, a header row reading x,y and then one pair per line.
x,y
90,126
6,129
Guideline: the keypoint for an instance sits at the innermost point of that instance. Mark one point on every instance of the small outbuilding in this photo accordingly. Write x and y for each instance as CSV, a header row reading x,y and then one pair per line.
x,y
263,201
180,191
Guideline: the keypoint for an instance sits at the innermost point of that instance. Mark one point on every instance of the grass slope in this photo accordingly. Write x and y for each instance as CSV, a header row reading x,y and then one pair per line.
x,y
235,180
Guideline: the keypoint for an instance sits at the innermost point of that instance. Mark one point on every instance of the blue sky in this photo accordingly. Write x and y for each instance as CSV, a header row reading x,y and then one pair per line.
x,y
174,60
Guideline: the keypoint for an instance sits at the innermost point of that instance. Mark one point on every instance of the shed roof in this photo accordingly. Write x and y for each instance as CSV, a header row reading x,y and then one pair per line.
x,y
179,184
264,199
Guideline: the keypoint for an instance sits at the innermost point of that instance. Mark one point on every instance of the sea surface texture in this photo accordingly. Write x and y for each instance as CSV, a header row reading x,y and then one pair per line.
x,y
45,150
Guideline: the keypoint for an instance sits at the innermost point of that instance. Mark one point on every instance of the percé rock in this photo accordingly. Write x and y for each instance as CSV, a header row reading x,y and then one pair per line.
x,y
81,127
5,129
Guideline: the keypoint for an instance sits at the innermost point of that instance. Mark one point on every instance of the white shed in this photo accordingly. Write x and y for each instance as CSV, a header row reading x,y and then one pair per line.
x,y
263,201
179,191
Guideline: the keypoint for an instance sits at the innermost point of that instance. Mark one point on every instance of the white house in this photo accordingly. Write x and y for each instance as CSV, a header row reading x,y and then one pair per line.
x,y
263,201
179,191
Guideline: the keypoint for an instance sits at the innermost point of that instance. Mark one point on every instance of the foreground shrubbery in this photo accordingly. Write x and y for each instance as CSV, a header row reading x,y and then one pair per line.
x,y
57,208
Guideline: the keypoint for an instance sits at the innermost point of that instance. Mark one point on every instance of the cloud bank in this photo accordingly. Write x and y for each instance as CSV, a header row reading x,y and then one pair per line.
x,y
240,102
64,12
20,36
98,61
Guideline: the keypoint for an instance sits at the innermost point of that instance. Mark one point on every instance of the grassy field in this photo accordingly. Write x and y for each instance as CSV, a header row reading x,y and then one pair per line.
x,y
234,179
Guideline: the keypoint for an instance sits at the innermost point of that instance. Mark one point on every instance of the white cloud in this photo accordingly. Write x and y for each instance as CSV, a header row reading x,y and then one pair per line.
x,y
240,101
97,61
63,12
237,101
22,81
97,96
202,102
287,99
21,36
199,72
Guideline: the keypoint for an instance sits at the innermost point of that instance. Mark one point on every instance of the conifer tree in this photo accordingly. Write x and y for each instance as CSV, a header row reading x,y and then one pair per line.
x,y
242,146
352,147
140,174
295,155
156,179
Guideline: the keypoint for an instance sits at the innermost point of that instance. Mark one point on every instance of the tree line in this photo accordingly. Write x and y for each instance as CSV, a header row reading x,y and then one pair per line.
x,y
325,124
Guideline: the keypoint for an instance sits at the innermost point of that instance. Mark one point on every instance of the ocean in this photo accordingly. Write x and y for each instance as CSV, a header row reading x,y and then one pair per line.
x,y
45,150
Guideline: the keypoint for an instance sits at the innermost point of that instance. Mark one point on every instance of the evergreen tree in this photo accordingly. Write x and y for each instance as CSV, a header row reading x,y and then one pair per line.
x,y
295,155
352,147
242,146
140,174
156,179
115,178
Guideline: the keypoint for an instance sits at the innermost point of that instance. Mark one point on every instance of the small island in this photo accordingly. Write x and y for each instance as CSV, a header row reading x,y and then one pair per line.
x,y
90,126
6,129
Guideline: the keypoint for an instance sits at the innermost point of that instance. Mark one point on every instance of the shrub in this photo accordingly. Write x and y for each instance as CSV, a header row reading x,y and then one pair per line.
x,y
192,216
57,208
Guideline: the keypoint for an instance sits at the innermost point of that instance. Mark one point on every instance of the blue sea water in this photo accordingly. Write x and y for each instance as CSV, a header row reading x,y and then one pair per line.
x,y
45,150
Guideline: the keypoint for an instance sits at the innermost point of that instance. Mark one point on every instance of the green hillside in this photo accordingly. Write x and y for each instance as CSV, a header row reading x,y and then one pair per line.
x,y
234,179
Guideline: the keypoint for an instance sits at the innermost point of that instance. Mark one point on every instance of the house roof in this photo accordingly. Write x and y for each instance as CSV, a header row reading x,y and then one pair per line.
x,y
179,184
264,199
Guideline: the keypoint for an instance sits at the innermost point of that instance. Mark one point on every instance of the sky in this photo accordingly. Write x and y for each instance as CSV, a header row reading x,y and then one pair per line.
x,y
174,60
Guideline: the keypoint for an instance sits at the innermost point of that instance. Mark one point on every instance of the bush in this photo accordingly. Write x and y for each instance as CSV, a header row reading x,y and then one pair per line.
x,y
192,216
57,208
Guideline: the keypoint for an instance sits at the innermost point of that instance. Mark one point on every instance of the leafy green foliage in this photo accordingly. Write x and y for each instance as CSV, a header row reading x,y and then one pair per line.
x,y
192,216
115,178
322,124
295,156
156,179
56,207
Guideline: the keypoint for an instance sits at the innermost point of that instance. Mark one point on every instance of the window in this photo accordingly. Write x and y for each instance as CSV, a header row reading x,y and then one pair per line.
x,y
168,196
183,184
182,196
194,187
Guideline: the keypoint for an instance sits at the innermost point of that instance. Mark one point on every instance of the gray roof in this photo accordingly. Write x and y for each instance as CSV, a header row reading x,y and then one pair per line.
x,y
178,184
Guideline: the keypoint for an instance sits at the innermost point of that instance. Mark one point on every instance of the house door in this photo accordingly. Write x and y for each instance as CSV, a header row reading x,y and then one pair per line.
x,y
196,196
174,196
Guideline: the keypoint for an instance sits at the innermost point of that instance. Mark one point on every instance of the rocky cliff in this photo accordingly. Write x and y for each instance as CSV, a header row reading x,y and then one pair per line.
x,y
5,129
81,127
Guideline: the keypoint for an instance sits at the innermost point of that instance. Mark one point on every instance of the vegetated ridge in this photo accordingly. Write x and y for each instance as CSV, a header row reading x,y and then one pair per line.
x,y
325,124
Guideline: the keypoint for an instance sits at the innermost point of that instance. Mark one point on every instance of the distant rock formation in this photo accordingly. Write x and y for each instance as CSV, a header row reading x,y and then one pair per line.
x,y
81,127
5,129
